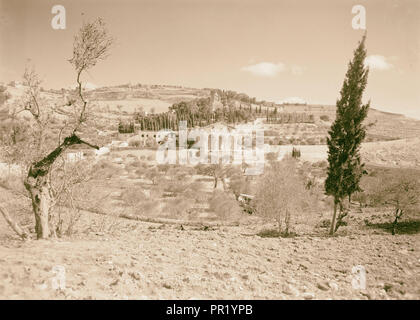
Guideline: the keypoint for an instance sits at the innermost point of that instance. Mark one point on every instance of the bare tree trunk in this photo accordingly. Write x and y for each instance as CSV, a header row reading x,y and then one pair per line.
x,y
341,215
287,222
333,219
38,186
41,200
394,224
224,184
398,214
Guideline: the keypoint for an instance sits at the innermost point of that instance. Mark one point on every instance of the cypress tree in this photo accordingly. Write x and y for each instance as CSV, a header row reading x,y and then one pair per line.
x,y
345,167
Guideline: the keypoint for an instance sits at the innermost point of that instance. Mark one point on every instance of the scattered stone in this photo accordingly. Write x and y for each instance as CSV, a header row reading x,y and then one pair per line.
x,y
302,266
114,283
135,275
167,286
308,296
323,286
366,294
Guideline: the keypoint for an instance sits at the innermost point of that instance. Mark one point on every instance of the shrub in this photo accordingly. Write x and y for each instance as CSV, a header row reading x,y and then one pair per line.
x,y
136,164
174,186
311,141
324,117
137,143
106,169
126,127
273,233
177,208
281,193
225,207
133,197
295,153
397,189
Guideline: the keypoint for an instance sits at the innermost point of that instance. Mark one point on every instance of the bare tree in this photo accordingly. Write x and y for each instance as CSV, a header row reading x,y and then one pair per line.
x,y
217,171
399,191
91,44
280,193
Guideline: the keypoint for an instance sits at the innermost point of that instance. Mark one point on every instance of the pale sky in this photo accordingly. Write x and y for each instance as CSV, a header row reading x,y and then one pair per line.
x,y
271,49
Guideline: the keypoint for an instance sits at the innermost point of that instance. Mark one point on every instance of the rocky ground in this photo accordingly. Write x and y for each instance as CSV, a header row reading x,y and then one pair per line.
x,y
139,260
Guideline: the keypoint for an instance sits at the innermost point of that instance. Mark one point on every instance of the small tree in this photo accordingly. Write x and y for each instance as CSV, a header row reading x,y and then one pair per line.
x,y
217,171
238,182
295,153
91,44
346,134
399,191
280,193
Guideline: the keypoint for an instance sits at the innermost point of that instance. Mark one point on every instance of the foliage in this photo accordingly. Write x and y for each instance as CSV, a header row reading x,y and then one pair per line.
x,y
49,182
396,189
224,206
281,193
346,134
126,127
295,153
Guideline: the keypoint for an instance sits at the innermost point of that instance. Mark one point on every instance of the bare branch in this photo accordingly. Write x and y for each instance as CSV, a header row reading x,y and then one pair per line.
x,y
14,225
91,44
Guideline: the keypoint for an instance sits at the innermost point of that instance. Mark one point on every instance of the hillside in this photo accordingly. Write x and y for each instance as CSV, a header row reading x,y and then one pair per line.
x,y
141,230
111,104
115,258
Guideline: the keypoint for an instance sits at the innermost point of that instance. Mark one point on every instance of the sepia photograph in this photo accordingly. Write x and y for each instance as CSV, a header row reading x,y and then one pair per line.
x,y
200,152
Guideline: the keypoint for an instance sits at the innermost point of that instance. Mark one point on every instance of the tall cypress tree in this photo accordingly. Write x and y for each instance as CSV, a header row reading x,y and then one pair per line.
x,y
345,167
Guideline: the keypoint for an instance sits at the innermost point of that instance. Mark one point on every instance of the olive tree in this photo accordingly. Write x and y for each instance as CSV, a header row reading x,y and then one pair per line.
x,y
280,193
43,148
399,191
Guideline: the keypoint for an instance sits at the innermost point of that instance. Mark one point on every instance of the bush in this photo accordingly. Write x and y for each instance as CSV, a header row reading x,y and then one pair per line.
x,y
273,233
174,186
126,127
281,194
295,153
324,117
225,207
133,197
178,208
106,169
311,141
396,189
137,143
